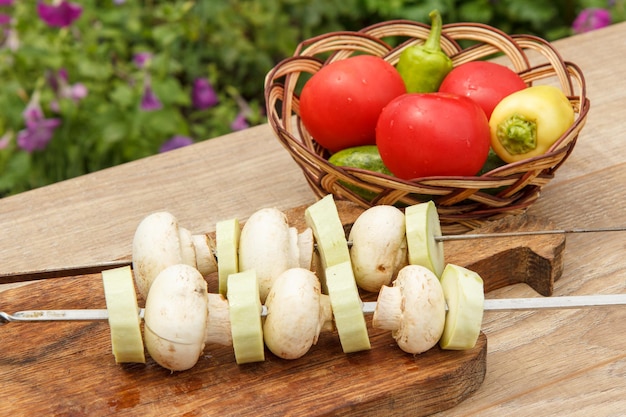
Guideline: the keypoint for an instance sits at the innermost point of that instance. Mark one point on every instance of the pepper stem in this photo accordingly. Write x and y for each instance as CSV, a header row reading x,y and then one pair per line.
x,y
517,134
433,43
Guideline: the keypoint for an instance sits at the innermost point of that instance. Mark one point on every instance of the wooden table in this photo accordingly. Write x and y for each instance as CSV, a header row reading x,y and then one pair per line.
x,y
569,362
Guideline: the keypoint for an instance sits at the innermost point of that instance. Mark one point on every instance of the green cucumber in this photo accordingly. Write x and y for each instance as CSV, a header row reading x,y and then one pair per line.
x,y
363,157
493,161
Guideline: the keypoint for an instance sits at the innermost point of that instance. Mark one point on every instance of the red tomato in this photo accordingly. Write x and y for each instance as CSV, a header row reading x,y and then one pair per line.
x,y
340,104
484,82
435,134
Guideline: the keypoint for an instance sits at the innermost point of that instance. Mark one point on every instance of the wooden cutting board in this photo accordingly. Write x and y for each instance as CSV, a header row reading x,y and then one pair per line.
x,y
67,369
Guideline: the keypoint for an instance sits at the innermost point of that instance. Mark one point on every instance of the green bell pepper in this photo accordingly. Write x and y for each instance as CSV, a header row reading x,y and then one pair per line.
x,y
423,67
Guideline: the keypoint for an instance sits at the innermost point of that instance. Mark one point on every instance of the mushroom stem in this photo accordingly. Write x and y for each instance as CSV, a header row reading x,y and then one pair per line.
x,y
204,248
388,313
218,322
326,314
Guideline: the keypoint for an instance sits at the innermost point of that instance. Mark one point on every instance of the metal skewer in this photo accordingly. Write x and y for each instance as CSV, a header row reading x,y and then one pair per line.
x,y
502,304
24,276
470,236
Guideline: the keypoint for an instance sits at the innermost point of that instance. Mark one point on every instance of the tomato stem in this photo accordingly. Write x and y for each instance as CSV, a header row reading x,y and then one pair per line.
x,y
517,134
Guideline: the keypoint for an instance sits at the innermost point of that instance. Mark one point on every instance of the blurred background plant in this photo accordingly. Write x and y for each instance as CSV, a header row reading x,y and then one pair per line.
x,y
85,86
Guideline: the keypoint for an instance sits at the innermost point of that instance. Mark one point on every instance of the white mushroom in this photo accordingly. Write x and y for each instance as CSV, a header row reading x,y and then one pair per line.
x,y
269,246
296,313
414,309
159,242
379,247
175,317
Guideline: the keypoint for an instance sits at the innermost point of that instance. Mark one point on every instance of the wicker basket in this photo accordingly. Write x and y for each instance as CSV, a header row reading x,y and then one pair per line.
x,y
463,202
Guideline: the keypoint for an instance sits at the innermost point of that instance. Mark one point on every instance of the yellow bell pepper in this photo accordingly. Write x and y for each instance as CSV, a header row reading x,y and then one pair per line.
x,y
528,122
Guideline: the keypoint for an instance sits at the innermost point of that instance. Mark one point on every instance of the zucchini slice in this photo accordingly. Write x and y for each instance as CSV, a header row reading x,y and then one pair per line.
x,y
245,317
422,225
347,308
338,280
464,294
227,234
124,321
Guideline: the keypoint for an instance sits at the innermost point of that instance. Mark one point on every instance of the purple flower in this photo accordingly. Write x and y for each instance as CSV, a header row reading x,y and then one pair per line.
x,y
33,110
6,2
176,142
590,19
203,95
140,59
39,131
150,101
5,19
240,122
77,91
37,135
63,89
59,15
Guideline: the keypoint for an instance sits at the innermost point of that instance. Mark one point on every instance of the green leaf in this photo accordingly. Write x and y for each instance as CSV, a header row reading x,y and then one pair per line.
x,y
123,95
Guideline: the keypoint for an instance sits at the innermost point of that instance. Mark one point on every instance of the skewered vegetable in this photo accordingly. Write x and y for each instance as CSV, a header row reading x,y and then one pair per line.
x,y
245,317
296,313
227,233
323,218
414,309
465,297
379,247
159,242
347,308
121,301
269,246
175,318
422,225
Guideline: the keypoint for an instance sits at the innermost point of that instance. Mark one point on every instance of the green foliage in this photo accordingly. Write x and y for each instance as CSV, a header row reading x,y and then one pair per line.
x,y
232,43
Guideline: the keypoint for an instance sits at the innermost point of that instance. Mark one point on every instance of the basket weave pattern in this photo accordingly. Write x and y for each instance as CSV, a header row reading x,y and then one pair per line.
x,y
463,202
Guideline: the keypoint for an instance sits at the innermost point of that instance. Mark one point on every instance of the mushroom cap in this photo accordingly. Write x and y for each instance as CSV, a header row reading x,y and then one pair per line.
x,y
293,321
379,247
156,245
423,309
269,246
175,317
